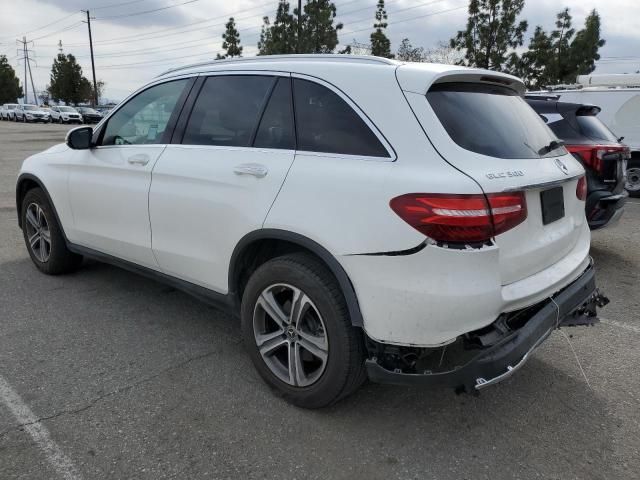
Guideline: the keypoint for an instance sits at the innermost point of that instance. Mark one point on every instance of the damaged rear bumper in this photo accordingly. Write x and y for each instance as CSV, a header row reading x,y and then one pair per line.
x,y
485,357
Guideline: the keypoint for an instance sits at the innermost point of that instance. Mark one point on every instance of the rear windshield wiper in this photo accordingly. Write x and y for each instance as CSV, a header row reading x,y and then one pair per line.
x,y
555,144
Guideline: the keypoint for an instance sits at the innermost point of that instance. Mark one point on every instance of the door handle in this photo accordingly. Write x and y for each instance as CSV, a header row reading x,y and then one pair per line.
x,y
140,159
254,169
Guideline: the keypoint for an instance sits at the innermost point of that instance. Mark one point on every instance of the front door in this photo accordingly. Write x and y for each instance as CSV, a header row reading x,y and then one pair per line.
x,y
109,184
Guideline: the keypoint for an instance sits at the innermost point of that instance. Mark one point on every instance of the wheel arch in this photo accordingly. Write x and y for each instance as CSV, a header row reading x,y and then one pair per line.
x,y
26,182
273,241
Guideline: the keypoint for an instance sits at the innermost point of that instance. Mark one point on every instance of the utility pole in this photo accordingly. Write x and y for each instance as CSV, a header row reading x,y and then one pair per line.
x,y
299,25
27,64
24,57
93,65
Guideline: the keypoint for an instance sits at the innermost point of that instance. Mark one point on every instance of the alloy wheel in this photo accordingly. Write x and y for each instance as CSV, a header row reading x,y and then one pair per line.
x,y
290,335
38,232
633,179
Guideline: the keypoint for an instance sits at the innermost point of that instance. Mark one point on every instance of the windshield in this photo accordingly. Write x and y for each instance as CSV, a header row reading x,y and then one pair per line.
x,y
593,128
12,106
88,110
492,120
30,107
67,109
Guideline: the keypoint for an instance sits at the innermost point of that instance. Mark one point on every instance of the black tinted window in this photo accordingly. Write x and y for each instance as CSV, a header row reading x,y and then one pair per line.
x,y
276,126
227,110
491,120
326,123
562,128
593,128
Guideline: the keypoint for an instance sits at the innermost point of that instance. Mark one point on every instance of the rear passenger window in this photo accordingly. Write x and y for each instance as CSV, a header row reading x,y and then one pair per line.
x,y
276,126
227,110
326,123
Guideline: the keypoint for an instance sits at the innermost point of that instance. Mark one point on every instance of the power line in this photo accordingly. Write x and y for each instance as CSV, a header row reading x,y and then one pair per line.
x,y
117,4
70,27
146,11
133,65
44,26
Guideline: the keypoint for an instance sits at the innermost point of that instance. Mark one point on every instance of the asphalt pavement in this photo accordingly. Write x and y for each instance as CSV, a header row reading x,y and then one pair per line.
x,y
108,375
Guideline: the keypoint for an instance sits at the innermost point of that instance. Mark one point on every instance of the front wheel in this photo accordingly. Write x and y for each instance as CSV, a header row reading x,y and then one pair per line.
x,y
43,236
297,330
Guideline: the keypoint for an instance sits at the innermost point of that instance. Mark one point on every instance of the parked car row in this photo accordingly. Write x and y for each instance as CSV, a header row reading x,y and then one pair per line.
x,y
435,235
59,114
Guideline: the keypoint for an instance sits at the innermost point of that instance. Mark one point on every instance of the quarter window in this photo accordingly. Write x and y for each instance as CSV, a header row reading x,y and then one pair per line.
x,y
326,123
227,111
144,118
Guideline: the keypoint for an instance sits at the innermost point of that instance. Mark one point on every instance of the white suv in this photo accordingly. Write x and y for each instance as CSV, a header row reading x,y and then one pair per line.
x,y
9,111
415,223
65,114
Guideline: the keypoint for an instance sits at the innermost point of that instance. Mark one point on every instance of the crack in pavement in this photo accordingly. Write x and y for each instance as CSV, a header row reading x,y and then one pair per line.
x,y
108,394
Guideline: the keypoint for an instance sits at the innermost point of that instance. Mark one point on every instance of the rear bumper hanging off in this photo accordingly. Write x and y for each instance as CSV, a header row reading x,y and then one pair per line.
x,y
487,356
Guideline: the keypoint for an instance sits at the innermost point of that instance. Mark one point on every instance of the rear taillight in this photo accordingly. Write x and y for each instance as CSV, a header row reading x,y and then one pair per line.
x,y
581,188
462,218
593,156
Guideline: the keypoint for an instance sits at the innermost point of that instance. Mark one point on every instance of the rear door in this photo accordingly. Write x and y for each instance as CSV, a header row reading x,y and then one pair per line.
x,y
488,132
218,179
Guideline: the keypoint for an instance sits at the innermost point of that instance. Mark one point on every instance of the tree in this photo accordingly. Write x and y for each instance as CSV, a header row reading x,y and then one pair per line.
x,y
562,55
279,37
66,80
380,43
409,53
534,64
491,33
561,38
86,90
231,41
585,45
443,53
10,89
318,34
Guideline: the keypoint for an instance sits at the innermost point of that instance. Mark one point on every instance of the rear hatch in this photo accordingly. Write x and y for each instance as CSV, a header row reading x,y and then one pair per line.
x,y
598,149
481,125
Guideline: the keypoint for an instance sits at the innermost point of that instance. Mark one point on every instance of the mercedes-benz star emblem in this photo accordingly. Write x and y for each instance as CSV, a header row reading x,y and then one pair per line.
x,y
563,168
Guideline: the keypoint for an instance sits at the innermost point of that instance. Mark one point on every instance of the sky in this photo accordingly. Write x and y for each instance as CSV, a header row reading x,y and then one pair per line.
x,y
135,40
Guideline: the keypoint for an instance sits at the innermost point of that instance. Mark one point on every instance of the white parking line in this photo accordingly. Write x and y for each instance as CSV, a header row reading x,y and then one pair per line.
x,y
38,432
625,326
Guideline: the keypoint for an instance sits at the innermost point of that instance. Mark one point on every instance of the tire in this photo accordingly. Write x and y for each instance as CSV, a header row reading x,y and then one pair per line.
x,y
56,258
633,177
60,121
319,383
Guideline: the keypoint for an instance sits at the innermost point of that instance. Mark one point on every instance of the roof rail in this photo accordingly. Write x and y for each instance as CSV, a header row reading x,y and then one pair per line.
x,y
294,57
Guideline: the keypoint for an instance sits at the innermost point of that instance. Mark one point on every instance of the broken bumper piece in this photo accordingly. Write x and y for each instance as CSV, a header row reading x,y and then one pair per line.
x,y
487,356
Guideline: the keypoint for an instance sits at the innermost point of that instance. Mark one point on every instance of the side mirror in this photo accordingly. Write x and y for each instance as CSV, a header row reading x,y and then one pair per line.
x,y
79,138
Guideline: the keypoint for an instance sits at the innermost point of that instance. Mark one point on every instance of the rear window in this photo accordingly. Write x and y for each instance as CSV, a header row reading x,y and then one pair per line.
x,y
593,128
491,120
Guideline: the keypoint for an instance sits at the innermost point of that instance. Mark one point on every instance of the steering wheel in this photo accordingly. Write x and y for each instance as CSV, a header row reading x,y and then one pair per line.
x,y
118,140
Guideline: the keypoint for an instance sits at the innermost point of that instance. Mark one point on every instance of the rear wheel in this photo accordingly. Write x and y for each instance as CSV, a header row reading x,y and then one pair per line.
x,y
43,236
633,177
297,330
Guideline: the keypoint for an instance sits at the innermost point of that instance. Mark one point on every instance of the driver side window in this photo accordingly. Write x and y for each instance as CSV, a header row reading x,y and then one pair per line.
x,y
144,118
